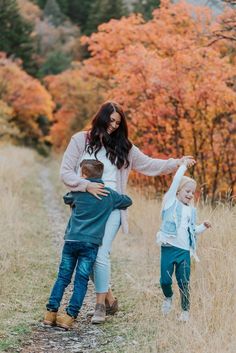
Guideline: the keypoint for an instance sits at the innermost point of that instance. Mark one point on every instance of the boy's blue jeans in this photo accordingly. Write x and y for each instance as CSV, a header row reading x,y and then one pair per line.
x,y
79,255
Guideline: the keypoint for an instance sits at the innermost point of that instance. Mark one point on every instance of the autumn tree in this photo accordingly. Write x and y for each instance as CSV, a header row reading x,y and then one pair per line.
x,y
77,98
25,107
29,11
8,129
177,89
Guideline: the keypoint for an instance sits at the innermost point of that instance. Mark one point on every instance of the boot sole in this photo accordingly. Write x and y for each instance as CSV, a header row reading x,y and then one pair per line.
x,y
65,327
111,313
98,321
49,323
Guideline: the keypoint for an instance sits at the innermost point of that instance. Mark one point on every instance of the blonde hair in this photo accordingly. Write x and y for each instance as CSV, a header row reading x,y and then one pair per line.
x,y
185,179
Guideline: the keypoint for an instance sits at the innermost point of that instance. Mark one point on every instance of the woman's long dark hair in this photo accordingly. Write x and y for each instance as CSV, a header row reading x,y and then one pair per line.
x,y
117,144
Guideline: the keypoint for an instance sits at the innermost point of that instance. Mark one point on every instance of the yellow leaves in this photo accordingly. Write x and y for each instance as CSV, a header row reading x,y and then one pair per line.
x,y
26,99
8,129
25,94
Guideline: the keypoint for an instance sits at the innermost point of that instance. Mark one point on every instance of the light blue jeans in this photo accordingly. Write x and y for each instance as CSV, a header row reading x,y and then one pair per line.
x,y
102,267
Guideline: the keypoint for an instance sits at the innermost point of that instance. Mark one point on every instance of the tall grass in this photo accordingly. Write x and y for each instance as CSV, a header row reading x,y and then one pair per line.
x,y
28,265
136,269
26,252
140,326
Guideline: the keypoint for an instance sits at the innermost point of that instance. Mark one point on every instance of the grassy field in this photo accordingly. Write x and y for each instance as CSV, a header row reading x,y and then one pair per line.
x,y
28,262
136,269
26,254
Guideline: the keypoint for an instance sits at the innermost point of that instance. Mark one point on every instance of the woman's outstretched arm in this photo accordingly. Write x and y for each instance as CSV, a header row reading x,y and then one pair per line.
x,y
152,166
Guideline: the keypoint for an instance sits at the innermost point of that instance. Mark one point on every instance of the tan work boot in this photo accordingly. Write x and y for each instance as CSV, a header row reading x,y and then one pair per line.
x,y
99,315
50,318
65,321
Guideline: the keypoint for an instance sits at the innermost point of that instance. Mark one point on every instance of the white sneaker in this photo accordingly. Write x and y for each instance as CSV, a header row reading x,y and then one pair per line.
x,y
166,306
184,316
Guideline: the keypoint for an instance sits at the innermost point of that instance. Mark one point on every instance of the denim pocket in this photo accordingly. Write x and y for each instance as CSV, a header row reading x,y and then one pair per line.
x,y
169,227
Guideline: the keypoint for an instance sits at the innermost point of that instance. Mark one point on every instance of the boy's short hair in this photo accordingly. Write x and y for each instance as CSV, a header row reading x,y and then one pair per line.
x,y
92,168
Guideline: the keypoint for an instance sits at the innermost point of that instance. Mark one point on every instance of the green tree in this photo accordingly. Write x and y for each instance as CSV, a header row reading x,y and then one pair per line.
x,y
55,63
145,7
63,4
78,11
103,11
53,12
15,34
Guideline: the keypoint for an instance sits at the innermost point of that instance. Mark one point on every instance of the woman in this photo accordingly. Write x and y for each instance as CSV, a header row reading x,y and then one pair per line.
x,y
108,142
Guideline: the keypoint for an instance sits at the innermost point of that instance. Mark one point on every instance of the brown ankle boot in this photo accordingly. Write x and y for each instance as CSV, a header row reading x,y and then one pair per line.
x,y
50,318
99,315
111,309
65,321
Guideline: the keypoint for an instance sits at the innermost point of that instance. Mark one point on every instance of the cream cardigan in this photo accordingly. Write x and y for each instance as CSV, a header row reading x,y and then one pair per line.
x,y
138,161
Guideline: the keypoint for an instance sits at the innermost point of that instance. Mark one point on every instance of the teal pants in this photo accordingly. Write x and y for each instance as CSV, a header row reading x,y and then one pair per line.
x,y
177,259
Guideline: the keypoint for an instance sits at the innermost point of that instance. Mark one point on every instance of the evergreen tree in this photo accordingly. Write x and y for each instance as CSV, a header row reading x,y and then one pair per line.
x,y
63,4
103,11
55,63
78,11
53,12
40,3
145,7
15,34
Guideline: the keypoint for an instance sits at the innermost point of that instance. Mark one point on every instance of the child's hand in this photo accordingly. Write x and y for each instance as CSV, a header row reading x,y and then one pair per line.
x,y
207,224
188,161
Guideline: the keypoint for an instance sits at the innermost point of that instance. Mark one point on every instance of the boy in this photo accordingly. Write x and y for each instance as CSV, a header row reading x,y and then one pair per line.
x,y
83,236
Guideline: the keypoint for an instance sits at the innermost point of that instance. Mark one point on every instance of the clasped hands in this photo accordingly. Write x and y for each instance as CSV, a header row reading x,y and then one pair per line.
x,y
188,161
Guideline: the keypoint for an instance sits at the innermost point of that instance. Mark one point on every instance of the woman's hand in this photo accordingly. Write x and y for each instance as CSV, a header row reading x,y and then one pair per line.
x,y
188,161
207,224
97,189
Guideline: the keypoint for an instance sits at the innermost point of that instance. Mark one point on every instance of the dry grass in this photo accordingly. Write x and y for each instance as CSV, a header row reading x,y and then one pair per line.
x,y
26,253
136,269
27,269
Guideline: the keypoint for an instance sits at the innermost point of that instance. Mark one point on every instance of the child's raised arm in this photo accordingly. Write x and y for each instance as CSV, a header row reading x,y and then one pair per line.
x,y
170,195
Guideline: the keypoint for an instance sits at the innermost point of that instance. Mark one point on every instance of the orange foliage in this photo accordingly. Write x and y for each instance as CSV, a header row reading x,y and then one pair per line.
x,y
77,98
175,85
29,103
29,11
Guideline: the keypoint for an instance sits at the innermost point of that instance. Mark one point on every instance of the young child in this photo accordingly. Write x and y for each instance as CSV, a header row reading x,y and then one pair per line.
x,y
83,236
177,236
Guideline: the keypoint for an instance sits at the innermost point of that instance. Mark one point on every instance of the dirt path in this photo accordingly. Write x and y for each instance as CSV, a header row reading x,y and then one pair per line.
x,y
84,337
